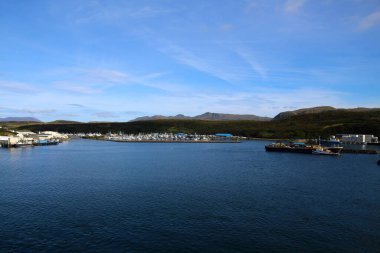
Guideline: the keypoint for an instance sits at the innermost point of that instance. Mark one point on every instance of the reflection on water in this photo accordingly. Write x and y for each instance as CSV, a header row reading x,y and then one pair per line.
x,y
361,147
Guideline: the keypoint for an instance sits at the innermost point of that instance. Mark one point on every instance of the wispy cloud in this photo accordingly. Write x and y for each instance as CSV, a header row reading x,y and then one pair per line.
x,y
98,80
370,20
250,6
77,88
250,59
106,114
109,12
219,68
260,101
150,11
29,111
76,105
105,75
226,27
17,87
293,6
185,57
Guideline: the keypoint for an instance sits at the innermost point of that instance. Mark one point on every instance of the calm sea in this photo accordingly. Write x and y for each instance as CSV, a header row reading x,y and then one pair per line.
x,y
93,196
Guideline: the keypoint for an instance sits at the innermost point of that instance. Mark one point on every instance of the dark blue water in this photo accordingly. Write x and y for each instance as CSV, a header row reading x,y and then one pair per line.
x,y
89,196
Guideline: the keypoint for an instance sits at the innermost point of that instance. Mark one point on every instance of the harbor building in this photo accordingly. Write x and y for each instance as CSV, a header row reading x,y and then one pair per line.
x,y
357,138
9,141
28,138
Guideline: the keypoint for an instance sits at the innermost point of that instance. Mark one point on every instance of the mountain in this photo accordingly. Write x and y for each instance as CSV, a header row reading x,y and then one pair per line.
x,y
303,125
155,117
19,119
322,109
288,114
224,116
64,122
207,116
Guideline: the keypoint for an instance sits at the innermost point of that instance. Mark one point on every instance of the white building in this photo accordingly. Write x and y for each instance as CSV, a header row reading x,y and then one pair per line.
x,y
7,141
358,138
26,133
49,135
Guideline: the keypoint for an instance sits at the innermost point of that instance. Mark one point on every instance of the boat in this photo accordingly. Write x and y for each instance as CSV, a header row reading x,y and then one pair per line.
x,y
292,147
323,151
333,145
45,142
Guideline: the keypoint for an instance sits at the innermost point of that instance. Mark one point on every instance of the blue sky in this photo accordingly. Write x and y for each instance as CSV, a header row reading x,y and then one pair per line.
x,y
117,60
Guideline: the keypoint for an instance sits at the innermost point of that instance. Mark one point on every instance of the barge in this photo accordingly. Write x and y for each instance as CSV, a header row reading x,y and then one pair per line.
x,y
291,147
45,142
300,147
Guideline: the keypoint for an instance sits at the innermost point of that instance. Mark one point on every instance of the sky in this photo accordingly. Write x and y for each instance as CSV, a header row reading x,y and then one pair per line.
x,y
118,60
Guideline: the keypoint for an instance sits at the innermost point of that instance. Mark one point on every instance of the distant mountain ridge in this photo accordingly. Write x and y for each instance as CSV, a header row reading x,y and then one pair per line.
x,y
316,110
207,116
307,124
60,121
288,114
19,119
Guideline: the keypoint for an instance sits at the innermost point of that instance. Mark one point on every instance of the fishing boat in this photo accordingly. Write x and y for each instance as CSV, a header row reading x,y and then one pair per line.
x,y
45,142
333,145
292,147
323,151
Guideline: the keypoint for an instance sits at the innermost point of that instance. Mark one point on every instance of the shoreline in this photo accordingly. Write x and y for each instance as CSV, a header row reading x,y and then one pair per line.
x,y
171,141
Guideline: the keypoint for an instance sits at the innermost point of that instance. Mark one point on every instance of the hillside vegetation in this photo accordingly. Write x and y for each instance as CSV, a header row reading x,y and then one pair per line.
x,y
309,125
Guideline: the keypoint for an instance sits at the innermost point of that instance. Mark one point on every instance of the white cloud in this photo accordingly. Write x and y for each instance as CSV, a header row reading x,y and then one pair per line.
x,y
29,111
17,87
257,67
108,12
77,88
106,115
226,27
370,20
105,75
251,5
292,6
214,66
97,80
76,105
261,102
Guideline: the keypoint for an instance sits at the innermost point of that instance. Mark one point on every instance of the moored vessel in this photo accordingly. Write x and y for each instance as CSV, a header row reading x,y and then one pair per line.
x,y
324,151
45,142
292,147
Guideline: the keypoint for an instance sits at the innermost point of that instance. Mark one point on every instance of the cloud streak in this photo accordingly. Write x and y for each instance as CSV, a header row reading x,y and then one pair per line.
x,y
370,21
17,87
293,6
106,114
214,66
257,67
108,12
77,88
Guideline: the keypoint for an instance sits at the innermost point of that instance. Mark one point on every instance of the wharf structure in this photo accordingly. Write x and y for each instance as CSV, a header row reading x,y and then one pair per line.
x,y
170,137
28,138
361,139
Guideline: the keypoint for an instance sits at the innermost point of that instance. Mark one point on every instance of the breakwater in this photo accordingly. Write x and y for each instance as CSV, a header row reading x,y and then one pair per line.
x,y
360,151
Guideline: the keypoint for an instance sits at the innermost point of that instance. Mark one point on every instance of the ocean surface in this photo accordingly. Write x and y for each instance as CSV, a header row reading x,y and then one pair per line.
x,y
94,196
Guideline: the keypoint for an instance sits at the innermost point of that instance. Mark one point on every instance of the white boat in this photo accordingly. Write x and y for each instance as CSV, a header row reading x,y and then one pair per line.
x,y
320,151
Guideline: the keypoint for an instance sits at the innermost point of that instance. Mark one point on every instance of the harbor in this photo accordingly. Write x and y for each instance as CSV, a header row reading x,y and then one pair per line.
x,y
28,138
335,145
177,138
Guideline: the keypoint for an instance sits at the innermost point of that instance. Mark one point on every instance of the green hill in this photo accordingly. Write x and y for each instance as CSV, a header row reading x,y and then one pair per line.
x,y
310,125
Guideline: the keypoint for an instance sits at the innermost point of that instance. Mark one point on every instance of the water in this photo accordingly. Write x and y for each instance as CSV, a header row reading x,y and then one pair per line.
x,y
92,196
